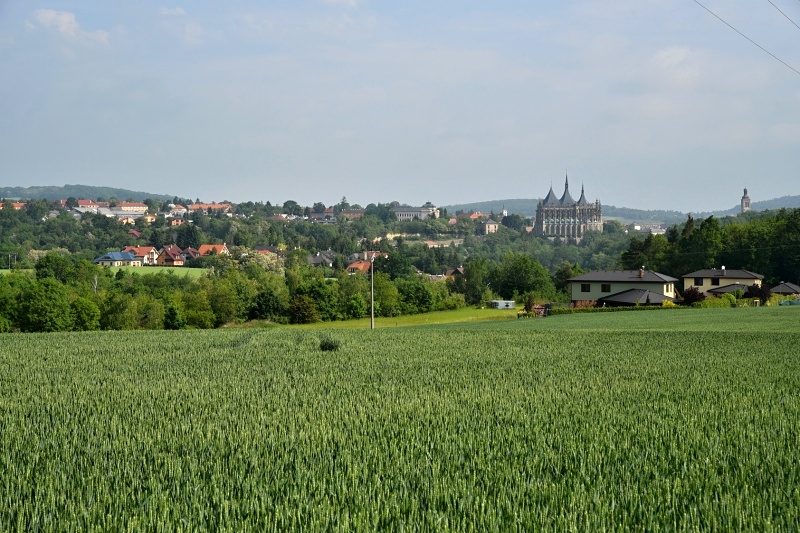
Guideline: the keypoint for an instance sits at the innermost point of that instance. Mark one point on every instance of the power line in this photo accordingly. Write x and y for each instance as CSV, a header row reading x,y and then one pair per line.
x,y
784,14
787,65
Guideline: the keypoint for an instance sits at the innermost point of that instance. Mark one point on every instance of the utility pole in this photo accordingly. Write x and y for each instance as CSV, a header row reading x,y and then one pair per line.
x,y
372,292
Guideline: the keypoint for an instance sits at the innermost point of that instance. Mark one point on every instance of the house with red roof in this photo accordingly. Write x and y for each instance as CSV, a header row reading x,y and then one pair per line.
x,y
147,254
170,255
359,266
213,249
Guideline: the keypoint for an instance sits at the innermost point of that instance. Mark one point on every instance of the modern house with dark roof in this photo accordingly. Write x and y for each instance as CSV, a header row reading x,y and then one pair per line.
x,y
719,281
616,287
566,218
323,258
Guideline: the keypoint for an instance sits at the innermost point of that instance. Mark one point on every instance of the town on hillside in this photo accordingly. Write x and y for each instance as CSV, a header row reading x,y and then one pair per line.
x,y
293,263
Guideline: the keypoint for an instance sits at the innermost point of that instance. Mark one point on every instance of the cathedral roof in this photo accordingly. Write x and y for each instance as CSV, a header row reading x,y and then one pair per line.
x,y
566,199
550,200
582,200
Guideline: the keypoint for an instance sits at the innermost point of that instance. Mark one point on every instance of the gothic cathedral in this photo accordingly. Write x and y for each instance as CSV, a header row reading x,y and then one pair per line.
x,y
565,218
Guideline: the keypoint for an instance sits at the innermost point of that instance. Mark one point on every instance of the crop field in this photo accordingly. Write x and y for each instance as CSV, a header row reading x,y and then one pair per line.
x,y
668,420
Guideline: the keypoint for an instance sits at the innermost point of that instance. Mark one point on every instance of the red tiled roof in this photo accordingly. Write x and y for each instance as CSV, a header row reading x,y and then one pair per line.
x,y
206,249
359,266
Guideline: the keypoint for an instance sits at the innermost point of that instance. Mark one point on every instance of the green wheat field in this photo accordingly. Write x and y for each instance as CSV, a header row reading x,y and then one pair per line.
x,y
669,420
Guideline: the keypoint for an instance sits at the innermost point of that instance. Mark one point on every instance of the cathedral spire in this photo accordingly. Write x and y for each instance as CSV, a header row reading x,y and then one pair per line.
x,y
582,200
566,199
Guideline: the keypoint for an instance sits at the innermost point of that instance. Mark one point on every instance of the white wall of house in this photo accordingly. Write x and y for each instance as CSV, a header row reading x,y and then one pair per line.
x,y
599,289
716,282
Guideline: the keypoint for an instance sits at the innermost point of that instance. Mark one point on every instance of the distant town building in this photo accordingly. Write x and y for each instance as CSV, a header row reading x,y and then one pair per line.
x,y
485,227
406,212
745,202
564,217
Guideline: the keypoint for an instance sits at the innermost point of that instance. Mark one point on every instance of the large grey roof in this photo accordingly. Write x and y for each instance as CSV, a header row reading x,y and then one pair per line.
x,y
786,288
550,200
723,273
730,288
582,200
636,296
629,276
566,198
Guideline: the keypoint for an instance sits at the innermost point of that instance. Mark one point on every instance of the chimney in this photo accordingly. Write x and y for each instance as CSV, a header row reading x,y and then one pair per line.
x,y
641,272
723,270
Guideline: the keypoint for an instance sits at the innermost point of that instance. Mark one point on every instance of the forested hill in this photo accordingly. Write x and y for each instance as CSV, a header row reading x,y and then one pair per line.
x,y
527,207
78,191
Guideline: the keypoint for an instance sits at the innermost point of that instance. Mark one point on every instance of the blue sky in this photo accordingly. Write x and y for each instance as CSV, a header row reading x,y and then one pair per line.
x,y
649,104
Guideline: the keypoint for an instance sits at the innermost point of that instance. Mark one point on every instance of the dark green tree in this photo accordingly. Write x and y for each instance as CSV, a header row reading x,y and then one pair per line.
x,y
86,314
303,310
56,266
44,307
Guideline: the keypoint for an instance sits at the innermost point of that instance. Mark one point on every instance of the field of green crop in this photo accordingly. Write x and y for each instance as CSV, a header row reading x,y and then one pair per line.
x,y
644,421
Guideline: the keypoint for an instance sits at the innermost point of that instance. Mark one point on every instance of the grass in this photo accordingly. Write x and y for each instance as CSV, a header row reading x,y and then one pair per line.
x,y
673,420
177,271
753,319
467,314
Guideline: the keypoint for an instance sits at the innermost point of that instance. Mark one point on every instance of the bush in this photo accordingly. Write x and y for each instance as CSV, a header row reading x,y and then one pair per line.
x,y
328,344
303,310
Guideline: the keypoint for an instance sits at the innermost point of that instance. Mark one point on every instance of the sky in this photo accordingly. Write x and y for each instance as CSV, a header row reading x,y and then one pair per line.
x,y
647,104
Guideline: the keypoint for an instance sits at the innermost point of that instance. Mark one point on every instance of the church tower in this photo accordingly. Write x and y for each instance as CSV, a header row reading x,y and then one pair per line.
x,y
745,202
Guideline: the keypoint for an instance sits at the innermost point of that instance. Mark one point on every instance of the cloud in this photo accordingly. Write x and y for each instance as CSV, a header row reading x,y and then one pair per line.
x,y
193,33
172,11
346,3
66,25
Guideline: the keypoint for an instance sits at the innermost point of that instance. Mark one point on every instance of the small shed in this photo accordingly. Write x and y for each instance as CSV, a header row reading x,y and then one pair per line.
x,y
502,304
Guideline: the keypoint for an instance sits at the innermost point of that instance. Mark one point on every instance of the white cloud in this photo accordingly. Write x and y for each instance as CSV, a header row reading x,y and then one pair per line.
x,y
66,25
346,3
172,11
193,33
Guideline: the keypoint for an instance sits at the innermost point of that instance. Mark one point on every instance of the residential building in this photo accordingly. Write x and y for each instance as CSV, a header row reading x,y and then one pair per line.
x,y
190,253
717,281
132,207
601,284
359,266
324,258
147,254
117,259
785,288
487,227
454,272
565,218
88,204
211,208
213,249
170,255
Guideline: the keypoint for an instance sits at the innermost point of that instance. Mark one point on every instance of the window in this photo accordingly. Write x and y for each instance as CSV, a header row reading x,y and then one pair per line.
x,y
586,287
715,281
605,287
698,282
